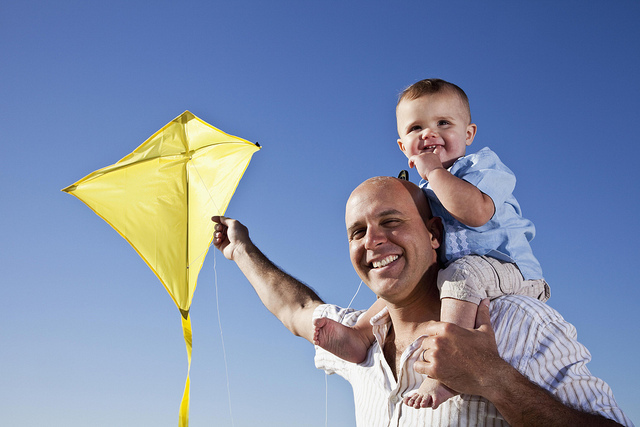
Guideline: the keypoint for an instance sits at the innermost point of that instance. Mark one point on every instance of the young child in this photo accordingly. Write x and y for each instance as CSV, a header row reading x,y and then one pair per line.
x,y
486,242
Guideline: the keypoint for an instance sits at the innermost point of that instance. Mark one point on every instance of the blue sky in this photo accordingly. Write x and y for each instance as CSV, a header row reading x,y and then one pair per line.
x,y
90,336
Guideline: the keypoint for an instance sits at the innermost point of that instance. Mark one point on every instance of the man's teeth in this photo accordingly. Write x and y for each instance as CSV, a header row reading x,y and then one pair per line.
x,y
386,261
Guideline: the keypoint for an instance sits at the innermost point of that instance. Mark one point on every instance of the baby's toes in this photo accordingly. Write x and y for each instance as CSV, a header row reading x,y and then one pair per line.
x,y
410,399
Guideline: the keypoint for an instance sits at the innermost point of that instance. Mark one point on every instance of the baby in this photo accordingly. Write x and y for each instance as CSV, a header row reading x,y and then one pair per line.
x,y
486,249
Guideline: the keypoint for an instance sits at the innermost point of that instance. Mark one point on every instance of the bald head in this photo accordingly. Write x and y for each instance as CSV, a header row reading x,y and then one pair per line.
x,y
398,187
392,238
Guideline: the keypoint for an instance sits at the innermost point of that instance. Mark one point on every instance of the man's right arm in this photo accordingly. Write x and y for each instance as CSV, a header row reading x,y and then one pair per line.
x,y
292,302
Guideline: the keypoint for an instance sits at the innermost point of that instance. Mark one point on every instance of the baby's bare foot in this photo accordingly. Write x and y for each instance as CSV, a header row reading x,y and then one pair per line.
x,y
430,394
343,341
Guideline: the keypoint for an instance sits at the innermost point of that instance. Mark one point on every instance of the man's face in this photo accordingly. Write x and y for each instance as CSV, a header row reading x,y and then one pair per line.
x,y
435,123
389,244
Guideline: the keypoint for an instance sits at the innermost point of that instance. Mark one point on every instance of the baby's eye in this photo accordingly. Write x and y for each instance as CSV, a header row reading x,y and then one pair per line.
x,y
443,122
415,128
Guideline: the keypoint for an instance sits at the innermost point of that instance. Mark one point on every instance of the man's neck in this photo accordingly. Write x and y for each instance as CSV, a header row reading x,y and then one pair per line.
x,y
408,323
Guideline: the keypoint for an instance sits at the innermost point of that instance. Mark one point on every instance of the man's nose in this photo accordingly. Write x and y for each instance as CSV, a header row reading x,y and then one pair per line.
x,y
374,237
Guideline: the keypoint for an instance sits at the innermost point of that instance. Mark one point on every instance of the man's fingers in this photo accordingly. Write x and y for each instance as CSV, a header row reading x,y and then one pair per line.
x,y
484,316
421,367
432,328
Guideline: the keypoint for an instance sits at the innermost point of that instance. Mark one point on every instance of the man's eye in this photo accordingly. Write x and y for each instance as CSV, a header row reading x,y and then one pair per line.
x,y
357,234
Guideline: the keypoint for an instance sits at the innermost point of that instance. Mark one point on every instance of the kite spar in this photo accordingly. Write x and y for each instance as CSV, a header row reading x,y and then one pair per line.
x,y
160,198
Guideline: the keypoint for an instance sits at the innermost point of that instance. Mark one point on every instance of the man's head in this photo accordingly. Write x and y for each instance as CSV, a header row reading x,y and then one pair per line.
x,y
392,237
434,115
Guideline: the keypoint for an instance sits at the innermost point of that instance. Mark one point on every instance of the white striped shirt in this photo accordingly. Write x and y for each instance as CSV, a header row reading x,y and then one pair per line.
x,y
531,336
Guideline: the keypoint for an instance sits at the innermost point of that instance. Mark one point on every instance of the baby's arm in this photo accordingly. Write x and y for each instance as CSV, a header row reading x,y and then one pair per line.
x,y
351,344
461,199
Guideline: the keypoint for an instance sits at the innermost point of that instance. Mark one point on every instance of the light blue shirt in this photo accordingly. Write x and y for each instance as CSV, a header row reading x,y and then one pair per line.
x,y
507,234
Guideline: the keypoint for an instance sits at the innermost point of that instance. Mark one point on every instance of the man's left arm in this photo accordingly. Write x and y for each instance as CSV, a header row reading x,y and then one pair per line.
x,y
468,362
290,300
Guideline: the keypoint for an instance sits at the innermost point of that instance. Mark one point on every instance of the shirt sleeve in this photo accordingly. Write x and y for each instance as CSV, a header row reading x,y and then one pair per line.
x,y
325,360
487,173
557,362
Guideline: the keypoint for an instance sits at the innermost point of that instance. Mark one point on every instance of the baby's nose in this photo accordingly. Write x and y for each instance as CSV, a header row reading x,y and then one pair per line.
x,y
429,133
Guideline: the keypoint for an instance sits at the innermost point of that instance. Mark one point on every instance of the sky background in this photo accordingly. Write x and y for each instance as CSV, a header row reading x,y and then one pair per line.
x,y
89,335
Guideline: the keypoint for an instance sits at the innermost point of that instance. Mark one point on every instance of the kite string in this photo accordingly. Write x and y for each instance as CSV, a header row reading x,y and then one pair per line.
x,y
326,382
216,210
326,400
354,295
326,376
215,281
224,352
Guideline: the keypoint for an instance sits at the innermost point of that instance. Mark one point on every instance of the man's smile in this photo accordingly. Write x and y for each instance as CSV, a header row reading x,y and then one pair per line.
x,y
385,261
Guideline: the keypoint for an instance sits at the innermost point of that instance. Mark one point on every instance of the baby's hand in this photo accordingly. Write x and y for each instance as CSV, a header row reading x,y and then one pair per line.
x,y
425,163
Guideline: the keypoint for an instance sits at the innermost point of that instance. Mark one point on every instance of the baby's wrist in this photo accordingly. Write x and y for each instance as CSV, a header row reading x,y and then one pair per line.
x,y
430,173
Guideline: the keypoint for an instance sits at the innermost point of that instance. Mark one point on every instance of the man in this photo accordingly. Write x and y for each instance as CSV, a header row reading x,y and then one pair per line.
x,y
392,244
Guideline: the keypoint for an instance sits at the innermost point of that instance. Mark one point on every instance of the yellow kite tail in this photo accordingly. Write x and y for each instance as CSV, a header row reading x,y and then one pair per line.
x,y
184,405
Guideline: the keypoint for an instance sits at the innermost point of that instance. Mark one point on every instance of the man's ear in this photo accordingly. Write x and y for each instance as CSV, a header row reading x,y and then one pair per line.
x,y
434,225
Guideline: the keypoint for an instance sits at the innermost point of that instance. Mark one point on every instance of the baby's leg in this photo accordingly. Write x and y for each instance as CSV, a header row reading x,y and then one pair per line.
x,y
431,393
463,284
462,313
350,344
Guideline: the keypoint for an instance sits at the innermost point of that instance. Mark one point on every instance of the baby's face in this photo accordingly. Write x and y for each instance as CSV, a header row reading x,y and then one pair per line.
x,y
437,122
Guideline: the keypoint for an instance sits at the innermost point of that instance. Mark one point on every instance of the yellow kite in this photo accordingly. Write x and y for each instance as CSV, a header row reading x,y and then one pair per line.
x,y
160,198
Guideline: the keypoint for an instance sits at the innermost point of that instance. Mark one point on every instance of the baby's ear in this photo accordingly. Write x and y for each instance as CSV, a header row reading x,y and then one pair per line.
x,y
401,145
471,133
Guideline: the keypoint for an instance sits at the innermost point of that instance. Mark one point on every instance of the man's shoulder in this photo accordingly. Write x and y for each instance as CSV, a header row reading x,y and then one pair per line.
x,y
525,306
523,314
527,329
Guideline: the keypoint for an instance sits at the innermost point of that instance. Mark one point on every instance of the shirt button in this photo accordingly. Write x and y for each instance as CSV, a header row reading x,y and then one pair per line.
x,y
394,399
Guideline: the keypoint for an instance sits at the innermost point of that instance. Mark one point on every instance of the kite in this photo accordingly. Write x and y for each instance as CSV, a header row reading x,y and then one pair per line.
x,y
160,198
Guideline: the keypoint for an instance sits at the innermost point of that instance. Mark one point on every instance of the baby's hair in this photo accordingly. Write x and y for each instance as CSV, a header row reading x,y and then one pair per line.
x,y
431,86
